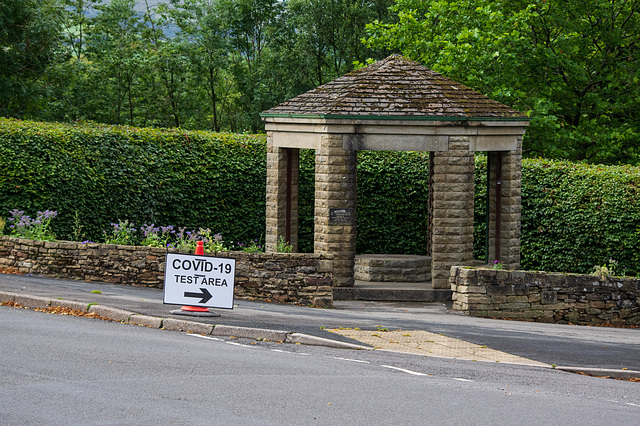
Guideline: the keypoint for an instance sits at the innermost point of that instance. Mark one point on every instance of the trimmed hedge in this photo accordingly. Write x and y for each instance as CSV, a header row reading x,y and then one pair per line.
x,y
107,173
392,202
575,216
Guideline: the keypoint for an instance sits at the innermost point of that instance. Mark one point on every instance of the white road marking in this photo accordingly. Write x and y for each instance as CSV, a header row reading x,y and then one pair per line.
x,y
289,352
205,337
352,360
415,373
240,344
221,340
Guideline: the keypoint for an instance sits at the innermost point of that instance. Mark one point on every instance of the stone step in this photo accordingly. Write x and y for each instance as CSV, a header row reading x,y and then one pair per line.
x,y
392,292
392,268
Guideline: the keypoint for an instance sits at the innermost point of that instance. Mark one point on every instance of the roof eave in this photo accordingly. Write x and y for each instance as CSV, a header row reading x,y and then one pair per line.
x,y
459,119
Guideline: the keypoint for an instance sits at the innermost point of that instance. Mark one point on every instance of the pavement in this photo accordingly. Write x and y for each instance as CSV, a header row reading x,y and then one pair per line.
x,y
421,329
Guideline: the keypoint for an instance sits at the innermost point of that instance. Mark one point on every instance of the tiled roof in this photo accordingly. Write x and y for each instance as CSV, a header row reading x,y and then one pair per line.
x,y
395,88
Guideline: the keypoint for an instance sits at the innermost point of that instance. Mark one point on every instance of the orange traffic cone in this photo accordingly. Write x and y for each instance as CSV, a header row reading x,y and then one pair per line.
x,y
196,311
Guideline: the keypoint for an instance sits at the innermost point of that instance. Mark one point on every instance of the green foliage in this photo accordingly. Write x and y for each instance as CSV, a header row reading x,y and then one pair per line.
x,y
392,195
29,41
157,236
194,64
480,208
104,173
306,200
283,246
254,246
122,233
574,216
572,66
39,229
327,35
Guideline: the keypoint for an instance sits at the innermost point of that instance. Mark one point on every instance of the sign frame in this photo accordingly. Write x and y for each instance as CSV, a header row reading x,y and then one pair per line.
x,y
197,280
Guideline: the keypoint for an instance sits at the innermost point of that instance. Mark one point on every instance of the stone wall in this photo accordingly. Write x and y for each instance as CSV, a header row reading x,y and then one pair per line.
x,y
546,297
392,268
288,278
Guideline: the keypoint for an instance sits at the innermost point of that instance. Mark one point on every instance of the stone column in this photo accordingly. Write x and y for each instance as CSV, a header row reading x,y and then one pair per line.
x,y
510,206
452,212
335,207
282,196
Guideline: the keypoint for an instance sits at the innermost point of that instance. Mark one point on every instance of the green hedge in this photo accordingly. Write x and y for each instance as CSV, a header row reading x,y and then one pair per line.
x,y
575,216
104,173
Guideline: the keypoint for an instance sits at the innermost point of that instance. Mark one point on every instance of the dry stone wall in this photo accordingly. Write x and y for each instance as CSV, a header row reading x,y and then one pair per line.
x,y
288,278
546,297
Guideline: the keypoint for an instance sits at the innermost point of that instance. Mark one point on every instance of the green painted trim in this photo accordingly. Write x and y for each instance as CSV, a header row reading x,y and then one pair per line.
x,y
392,117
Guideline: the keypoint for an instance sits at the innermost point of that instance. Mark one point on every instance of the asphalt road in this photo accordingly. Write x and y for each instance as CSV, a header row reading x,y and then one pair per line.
x,y
66,370
564,345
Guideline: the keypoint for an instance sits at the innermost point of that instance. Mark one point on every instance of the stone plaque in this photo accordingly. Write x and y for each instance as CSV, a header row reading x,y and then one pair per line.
x,y
341,216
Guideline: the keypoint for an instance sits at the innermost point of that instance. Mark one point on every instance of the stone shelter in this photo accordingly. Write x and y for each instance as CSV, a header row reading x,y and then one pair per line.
x,y
396,104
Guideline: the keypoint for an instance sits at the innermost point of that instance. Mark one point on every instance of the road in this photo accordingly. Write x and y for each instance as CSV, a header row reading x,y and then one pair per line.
x,y
59,369
563,345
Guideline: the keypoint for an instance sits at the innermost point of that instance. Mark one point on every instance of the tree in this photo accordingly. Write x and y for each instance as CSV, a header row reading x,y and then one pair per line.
x,y
251,25
202,36
166,56
30,33
183,63
114,48
328,34
573,66
76,22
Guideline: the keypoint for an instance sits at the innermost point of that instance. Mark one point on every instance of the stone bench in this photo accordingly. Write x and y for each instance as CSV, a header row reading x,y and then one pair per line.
x,y
392,268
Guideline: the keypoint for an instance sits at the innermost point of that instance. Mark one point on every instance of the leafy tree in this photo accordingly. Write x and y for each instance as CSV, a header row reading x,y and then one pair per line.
x,y
202,36
77,20
329,33
184,63
30,33
251,25
68,78
574,66
165,56
114,46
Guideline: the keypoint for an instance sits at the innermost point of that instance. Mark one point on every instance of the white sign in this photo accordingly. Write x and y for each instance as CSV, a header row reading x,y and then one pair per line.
x,y
199,281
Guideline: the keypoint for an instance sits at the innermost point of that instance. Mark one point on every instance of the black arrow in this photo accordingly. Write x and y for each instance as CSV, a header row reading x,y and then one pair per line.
x,y
205,295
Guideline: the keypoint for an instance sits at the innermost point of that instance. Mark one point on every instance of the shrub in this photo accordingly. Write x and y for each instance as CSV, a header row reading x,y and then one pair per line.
x,y
22,226
101,173
574,216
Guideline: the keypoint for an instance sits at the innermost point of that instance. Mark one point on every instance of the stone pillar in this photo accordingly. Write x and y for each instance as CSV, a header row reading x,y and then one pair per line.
x,y
452,210
335,207
510,206
282,196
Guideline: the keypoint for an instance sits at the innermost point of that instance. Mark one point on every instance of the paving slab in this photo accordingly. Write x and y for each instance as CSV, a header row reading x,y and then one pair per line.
x,y
421,342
